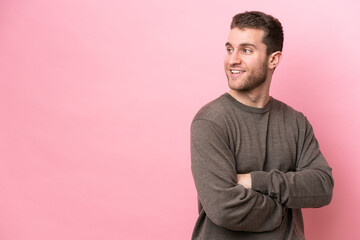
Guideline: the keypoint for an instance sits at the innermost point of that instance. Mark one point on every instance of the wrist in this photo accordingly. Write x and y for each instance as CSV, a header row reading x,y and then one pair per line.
x,y
244,180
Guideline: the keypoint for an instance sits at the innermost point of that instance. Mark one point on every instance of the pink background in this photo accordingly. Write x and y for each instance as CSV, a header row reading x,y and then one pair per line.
x,y
97,97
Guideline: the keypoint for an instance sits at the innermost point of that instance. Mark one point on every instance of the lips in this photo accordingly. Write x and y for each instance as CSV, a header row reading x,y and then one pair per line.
x,y
236,72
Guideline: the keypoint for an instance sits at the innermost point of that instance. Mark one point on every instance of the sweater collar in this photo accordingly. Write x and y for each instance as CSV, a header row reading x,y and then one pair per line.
x,y
247,108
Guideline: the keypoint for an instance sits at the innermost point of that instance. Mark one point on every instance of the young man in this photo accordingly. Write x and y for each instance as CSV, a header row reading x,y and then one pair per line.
x,y
255,160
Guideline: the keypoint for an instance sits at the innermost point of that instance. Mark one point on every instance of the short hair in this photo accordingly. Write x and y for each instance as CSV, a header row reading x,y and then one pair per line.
x,y
273,31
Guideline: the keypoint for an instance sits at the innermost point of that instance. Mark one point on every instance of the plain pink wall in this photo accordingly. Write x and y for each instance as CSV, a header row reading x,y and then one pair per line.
x,y
97,97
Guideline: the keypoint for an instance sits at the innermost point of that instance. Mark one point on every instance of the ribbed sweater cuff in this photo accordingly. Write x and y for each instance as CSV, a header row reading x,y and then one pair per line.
x,y
259,180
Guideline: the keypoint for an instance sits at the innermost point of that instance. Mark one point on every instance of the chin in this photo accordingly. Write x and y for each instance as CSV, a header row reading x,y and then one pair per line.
x,y
237,85
240,89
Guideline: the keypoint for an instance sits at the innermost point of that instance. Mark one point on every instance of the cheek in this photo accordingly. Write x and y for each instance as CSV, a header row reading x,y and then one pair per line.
x,y
254,64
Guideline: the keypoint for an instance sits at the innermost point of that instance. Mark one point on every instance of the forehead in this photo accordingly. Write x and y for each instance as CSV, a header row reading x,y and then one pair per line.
x,y
246,35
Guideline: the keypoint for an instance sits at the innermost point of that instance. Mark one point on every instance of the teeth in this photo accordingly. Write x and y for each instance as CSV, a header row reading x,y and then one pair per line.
x,y
235,71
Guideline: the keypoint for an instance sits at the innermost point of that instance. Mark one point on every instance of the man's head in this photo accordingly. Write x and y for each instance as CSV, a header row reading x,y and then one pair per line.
x,y
273,31
253,51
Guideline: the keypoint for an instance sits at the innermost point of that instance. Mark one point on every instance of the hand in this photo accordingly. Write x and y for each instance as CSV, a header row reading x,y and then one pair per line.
x,y
244,179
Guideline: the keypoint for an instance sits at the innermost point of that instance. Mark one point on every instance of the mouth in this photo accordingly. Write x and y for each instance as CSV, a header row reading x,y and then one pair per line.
x,y
236,72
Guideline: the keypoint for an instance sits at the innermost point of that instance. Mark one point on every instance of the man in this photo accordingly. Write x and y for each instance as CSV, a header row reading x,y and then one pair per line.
x,y
255,160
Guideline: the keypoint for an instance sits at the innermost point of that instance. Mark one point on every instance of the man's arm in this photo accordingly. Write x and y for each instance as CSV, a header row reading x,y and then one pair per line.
x,y
226,203
311,185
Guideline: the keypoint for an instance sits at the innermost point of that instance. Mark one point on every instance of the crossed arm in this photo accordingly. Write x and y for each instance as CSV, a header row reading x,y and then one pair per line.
x,y
310,185
254,201
225,202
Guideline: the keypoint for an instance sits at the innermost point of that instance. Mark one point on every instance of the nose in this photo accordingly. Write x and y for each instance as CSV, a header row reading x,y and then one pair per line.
x,y
235,58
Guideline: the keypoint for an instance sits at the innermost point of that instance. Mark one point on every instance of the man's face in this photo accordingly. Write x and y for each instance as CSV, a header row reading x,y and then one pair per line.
x,y
245,63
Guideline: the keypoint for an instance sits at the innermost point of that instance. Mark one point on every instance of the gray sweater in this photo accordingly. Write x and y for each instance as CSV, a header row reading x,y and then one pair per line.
x,y
276,144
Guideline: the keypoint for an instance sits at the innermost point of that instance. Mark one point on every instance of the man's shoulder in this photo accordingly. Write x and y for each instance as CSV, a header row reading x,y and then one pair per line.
x,y
214,110
287,110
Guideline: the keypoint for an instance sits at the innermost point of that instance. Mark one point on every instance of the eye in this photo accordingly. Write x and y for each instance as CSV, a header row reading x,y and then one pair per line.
x,y
229,50
247,50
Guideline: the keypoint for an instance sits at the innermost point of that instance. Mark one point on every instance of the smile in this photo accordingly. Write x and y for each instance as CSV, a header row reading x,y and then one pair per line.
x,y
236,71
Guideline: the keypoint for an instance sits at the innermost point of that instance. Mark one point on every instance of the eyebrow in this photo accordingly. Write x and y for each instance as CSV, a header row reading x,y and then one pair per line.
x,y
241,45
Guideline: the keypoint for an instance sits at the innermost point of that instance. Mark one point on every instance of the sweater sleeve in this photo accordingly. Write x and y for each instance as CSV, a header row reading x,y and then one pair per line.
x,y
226,203
310,185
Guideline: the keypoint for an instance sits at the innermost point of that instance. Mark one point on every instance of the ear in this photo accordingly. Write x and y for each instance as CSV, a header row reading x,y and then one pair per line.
x,y
275,59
